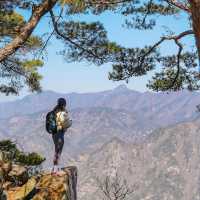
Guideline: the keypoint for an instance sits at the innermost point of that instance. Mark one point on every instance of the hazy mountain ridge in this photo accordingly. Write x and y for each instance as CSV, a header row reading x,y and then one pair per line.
x,y
91,128
112,114
176,106
105,137
166,166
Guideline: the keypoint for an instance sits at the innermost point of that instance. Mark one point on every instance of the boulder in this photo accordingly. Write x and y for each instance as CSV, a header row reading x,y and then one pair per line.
x,y
18,175
19,193
1,156
46,186
6,167
58,187
1,174
72,173
7,185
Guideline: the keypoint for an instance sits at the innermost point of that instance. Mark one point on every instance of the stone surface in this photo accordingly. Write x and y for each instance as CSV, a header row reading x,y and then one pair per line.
x,y
7,185
18,174
58,187
6,167
46,186
19,193
72,173
1,156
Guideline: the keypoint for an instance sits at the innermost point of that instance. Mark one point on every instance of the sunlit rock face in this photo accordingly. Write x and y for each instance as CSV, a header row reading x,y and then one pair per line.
x,y
16,186
60,187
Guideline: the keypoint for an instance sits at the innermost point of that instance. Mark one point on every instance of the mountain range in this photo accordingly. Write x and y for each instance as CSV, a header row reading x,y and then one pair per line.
x,y
165,166
97,117
151,139
176,106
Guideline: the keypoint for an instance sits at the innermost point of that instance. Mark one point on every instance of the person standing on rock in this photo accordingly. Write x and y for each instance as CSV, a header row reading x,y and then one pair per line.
x,y
57,123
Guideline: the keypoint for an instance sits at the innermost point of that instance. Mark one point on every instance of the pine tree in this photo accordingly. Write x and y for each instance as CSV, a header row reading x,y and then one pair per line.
x,y
13,154
88,41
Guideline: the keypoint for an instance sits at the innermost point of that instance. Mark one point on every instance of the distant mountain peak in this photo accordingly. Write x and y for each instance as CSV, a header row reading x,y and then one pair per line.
x,y
122,87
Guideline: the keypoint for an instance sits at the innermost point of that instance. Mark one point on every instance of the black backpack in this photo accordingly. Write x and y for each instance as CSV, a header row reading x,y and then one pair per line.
x,y
51,126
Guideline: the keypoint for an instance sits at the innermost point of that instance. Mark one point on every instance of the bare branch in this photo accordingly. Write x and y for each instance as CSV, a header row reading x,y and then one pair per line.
x,y
10,67
178,5
51,34
104,2
148,11
178,63
175,38
113,188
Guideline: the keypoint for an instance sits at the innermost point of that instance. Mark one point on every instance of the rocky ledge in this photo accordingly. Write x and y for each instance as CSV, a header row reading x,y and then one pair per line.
x,y
16,184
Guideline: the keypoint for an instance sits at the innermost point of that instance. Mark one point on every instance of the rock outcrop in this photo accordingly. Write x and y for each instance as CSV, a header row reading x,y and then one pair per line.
x,y
62,187
41,187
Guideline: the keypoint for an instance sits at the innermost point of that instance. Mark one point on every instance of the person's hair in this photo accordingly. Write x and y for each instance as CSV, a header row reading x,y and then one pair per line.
x,y
61,103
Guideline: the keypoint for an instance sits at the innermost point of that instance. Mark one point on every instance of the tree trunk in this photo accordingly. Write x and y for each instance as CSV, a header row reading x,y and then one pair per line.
x,y
195,12
27,30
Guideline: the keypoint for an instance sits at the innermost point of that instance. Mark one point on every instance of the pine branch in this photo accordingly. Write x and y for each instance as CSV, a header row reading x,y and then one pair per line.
x,y
180,46
178,5
27,30
55,25
175,38
104,2
51,34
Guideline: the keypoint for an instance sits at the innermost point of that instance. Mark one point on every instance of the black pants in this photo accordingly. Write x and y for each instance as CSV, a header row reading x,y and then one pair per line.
x,y
58,139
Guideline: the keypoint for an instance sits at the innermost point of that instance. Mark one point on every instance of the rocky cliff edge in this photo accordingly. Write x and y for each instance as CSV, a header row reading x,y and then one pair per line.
x,y
17,185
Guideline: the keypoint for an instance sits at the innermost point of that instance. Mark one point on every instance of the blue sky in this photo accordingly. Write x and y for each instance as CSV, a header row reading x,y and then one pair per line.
x,y
61,76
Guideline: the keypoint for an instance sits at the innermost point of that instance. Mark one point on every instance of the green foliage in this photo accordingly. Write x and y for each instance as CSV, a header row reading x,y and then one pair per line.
x,y
12,153
33,43
32,65
75,6
29,159
133,62
17,71
89,42
10,23
144,14
33,81
171,78
82,39
8,146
